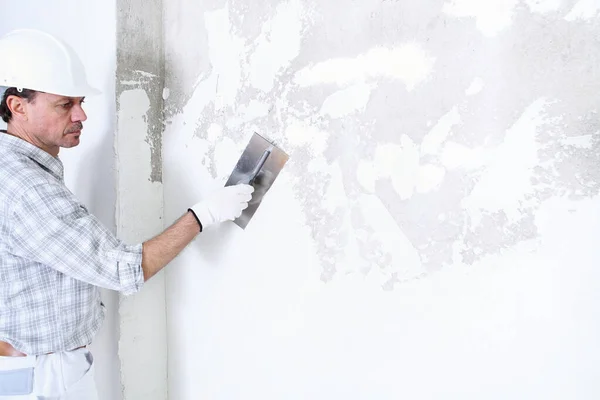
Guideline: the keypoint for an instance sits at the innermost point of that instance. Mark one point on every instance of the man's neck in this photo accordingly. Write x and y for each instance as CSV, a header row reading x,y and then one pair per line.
x,y
23,135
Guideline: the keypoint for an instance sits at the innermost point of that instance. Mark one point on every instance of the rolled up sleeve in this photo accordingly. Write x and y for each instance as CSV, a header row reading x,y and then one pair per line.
x,y
49,226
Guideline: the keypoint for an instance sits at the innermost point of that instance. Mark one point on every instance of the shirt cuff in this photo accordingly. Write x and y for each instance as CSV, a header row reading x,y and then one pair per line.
x,y
131,274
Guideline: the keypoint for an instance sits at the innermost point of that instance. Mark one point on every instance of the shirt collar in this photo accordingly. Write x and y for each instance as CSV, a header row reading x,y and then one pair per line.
x,y
18,145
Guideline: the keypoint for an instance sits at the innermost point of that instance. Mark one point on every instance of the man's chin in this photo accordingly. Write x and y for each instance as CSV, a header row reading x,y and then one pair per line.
x,y
73,140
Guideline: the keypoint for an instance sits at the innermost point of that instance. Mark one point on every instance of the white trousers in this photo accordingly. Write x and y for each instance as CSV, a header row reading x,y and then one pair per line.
x,y
59,376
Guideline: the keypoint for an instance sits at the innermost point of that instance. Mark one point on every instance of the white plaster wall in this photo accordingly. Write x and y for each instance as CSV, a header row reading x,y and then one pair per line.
x,y
90,27
434,233
142,342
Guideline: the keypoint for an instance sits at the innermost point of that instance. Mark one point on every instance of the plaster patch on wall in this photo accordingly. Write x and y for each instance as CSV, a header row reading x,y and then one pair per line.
x,y
336,195
187,121
300,134
584,9
367,175
408,63
401,164
475,87
582,142
278,44
543,6
438,134
386,161
455,155
226,50
491,16
150,83
405,173
404,259
430,177
507,178
343,247
214,132
347,101
248,112
226,154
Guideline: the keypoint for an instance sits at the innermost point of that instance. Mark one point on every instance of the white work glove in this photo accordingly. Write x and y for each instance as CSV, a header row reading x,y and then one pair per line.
x,y
226,204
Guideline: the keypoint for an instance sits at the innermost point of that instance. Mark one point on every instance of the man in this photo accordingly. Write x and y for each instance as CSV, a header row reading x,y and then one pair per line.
x,y
54,255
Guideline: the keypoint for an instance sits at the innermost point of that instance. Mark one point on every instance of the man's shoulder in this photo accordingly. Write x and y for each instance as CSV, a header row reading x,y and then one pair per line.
x,y
18,174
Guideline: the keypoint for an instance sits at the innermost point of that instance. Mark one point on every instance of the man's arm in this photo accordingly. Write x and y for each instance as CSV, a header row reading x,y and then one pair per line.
x,y
49,226
162,249
224,205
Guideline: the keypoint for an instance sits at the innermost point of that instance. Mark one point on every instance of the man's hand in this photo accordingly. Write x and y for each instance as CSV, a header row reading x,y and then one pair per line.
x,y
226,204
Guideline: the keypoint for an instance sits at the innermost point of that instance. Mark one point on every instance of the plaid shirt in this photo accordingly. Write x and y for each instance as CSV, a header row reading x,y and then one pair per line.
x,y
53,256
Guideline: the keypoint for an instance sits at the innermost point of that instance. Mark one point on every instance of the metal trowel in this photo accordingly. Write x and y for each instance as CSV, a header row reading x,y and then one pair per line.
x,y
259,165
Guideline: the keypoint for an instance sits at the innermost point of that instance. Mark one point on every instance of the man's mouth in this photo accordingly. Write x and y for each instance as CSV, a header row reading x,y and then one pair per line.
x,y
76,129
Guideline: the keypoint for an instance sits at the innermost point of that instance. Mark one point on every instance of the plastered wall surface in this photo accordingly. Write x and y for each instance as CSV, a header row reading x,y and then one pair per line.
x,y
89,27
138,144
433,235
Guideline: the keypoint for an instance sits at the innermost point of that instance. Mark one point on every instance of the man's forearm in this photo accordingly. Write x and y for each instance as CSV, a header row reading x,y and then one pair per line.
x,y
162,249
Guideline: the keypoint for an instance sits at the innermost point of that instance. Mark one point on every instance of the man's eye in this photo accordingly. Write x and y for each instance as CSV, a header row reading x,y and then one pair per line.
x,y
66,105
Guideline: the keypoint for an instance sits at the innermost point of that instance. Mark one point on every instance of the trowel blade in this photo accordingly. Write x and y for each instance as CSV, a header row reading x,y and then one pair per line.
x,y
263,181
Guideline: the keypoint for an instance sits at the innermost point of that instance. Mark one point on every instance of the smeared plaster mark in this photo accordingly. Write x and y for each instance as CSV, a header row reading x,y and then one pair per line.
x,y
387,160
247,112
278,44
438,134
225,51
225,156
150,86
491,16
387,156
335,196
582,142
145,74
507,177
584,9
347,101
408,63
129,83
405,259
543,6
317,165
405,173
401,164
214,132
133,125
300,134
343,244
366,175
475,87
165,93
430,177
186,121
455,155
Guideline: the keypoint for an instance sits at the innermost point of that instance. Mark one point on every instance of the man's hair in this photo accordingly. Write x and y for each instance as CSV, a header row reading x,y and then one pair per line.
x,y
26,94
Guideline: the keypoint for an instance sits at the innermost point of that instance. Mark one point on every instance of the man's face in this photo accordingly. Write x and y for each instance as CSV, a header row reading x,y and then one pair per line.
x,y
54,121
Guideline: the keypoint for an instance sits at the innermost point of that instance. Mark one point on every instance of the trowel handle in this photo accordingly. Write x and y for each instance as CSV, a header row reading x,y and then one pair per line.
x,y
258,166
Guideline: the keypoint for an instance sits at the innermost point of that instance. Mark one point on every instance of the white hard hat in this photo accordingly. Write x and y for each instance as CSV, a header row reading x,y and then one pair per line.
x,y
35,60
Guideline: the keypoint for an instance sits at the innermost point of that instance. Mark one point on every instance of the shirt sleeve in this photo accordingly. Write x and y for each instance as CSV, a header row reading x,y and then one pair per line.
x,y
51,227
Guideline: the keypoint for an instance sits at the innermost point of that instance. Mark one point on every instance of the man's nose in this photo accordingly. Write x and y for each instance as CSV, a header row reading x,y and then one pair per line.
x,y
78,114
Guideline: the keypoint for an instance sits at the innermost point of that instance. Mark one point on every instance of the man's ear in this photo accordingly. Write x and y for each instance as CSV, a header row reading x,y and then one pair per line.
x,y
17,107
